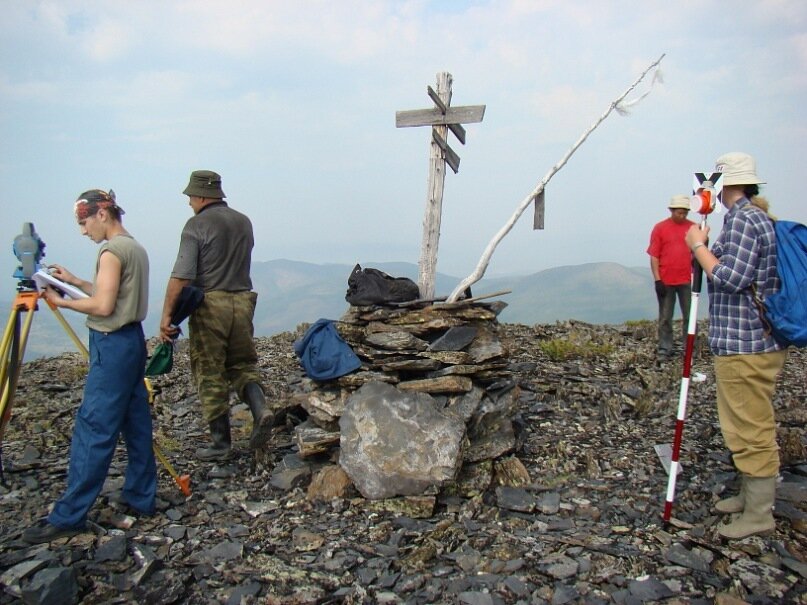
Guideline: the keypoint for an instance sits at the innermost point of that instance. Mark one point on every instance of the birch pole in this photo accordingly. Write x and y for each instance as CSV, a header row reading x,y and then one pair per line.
x,y
484,260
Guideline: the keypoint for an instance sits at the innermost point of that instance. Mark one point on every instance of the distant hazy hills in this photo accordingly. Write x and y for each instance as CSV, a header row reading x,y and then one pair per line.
x,y
291,292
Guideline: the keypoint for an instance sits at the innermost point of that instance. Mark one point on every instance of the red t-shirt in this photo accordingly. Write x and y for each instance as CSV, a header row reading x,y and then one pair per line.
x,y
668,245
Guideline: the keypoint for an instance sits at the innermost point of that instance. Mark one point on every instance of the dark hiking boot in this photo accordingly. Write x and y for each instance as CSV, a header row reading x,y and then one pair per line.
x,y
45,531
220,435
262,418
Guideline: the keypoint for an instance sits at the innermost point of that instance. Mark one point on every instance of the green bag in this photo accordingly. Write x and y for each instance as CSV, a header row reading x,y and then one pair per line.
x,y
161,361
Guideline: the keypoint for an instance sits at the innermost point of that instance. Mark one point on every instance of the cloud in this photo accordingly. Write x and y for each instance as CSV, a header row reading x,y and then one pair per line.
x,y
106,41
28,91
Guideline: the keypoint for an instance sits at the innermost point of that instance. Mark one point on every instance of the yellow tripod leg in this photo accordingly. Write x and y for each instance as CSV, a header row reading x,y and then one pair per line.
x,y
70,332
184,481
16,350
5,352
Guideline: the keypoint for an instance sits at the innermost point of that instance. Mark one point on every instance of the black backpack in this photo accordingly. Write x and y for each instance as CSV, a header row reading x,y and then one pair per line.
x,y
373,287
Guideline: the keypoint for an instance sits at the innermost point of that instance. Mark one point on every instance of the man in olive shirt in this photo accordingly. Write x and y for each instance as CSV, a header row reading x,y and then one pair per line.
x,y
215,254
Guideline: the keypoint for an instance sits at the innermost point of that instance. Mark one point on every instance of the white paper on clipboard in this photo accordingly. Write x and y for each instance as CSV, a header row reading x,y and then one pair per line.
x,y
43,278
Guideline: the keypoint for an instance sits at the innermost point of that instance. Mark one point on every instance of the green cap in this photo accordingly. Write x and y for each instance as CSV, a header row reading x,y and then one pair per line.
x,y
205,183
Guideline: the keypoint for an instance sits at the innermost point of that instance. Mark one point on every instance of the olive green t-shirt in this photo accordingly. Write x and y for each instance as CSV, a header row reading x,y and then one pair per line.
x,y
133,292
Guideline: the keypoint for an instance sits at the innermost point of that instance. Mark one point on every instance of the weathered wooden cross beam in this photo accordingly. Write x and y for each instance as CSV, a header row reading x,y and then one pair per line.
x,y
442,118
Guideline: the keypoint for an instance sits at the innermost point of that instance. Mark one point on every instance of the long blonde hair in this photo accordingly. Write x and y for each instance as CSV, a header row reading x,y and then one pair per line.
x,y
763,204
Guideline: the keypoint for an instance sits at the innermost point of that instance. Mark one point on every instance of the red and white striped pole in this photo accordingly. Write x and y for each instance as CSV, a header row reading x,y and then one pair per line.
x,y
706,203
692,328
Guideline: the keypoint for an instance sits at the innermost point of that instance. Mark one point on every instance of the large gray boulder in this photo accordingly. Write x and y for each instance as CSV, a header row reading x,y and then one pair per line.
x,y
396,443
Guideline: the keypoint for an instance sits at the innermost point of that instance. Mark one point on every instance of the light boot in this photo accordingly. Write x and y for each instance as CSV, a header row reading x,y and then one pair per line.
x,y
757,517
262,418
220,435
733,504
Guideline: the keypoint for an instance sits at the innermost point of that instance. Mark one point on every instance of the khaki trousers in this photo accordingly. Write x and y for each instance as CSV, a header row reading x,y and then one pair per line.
x,y
745,385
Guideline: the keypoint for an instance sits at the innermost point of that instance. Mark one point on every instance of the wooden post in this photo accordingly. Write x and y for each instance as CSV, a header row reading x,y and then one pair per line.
x,y
442,118
427,266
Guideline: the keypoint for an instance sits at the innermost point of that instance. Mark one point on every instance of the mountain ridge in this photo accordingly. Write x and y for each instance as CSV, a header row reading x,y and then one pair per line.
x,y
292,292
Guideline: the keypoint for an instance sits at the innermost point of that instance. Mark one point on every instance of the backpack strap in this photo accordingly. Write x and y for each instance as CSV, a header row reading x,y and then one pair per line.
x,y
767,329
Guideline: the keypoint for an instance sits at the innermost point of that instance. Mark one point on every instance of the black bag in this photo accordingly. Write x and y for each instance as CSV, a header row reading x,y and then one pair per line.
x,y
374,287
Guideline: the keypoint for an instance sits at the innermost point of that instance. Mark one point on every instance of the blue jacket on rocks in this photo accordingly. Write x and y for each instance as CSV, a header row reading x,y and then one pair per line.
x,y
323,353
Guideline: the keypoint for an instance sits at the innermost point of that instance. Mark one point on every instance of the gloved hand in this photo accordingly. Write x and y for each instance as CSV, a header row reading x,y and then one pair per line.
x,y
661,289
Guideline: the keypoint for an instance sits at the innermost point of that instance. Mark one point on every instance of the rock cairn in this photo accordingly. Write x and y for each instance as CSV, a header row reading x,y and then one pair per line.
x,y
432,407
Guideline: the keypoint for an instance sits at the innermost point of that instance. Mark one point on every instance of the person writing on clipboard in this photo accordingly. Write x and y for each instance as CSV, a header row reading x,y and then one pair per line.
x,y
115,399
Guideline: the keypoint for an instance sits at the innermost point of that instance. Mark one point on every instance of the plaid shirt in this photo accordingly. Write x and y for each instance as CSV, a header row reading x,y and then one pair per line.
x,y
746,249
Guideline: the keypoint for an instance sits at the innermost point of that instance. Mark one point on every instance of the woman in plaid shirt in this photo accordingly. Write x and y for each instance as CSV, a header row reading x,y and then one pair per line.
x,y
741,266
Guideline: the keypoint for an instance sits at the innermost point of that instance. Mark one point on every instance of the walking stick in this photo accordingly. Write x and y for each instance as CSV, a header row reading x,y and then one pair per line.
x,y
703,202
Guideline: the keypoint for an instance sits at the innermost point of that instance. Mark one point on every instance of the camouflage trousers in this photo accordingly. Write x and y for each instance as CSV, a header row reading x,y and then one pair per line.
x,y
222,350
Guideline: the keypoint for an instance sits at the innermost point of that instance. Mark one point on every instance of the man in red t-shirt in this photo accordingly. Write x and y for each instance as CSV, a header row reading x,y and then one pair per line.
x,y
671,264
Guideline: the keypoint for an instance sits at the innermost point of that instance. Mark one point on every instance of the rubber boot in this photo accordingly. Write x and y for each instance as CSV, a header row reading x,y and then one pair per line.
x,y
220,435
757,517
262,418
733,504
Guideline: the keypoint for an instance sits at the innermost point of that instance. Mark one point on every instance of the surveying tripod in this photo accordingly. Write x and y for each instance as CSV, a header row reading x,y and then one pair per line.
x,y
12,351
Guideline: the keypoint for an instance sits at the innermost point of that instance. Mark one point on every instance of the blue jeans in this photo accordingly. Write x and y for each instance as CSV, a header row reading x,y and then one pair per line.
x,y
115,402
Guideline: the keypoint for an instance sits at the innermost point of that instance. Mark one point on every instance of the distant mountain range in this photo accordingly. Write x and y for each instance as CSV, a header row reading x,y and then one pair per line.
x,y
292,292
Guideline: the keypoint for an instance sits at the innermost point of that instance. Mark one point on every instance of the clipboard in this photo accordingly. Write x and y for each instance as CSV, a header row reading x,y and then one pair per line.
x,y
42,278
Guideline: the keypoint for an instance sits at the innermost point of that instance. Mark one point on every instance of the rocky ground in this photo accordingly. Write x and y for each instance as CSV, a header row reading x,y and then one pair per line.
x,y
586,528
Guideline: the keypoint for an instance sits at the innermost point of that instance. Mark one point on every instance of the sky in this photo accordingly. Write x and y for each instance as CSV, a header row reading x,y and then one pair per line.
x,y
294,103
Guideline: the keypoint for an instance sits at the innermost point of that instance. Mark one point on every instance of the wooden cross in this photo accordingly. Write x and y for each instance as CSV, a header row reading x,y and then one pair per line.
x,y
442,118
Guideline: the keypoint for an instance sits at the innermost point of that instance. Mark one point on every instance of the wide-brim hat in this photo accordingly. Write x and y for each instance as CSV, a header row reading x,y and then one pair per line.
x,y
205,183
679,201
738,168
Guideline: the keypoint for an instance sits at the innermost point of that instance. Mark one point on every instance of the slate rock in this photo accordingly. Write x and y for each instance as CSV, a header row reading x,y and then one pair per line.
x,y
759,578
52,586
291,472
649,589
454,339
465,405
227,550
515,498
397,341
559,566
111,549
475,598
563,594
163,588
396,443
549,503
246,590
13,576
680,555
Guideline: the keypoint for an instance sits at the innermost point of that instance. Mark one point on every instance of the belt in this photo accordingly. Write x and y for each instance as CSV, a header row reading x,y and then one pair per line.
x,y
129,326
